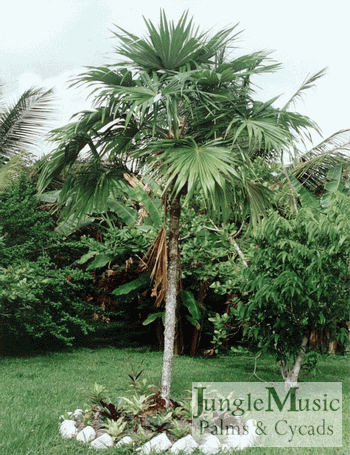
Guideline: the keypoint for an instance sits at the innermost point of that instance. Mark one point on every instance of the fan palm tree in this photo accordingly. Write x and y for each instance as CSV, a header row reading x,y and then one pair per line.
x,y
178,109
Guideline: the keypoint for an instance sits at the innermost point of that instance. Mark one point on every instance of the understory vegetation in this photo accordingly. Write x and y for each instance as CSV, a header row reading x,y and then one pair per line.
x,y
237,291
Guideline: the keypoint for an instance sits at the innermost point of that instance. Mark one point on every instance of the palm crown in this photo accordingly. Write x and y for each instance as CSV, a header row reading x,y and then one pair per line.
x,y
179,108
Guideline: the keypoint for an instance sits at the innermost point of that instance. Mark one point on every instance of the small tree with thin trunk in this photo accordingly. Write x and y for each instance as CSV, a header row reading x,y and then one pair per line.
x,y
298,282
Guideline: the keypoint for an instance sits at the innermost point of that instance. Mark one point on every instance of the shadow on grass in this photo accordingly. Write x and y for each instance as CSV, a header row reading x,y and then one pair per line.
x,y
115,335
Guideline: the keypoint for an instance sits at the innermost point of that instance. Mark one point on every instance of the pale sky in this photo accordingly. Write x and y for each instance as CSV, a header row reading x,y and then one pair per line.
x,y
45,42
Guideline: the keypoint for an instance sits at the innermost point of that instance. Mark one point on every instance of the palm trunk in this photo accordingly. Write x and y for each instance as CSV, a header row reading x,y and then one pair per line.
x,y
171,298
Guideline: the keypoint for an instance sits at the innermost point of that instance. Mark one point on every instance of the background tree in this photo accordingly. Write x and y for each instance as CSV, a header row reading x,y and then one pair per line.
x,y
298,281
181,109
46,300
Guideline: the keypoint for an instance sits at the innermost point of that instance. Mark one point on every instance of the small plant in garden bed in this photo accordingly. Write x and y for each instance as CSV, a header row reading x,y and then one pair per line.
x,y
140,416
160,421
115,428
179,429
138,420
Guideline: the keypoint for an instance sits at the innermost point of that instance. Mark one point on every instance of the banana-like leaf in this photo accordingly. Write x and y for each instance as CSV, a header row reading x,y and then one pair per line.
x,y
85,257
72,224
153,316
152,206
101,260
49,196
127,214
191,304
334,174
193,321
135,285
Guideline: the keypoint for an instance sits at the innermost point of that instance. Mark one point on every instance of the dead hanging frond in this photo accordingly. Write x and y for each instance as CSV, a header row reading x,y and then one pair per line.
x,y
132,181
155,261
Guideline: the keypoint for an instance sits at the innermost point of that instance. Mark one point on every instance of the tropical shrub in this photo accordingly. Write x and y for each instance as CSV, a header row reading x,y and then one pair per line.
x,y
298,281
43,305
45,298
26,231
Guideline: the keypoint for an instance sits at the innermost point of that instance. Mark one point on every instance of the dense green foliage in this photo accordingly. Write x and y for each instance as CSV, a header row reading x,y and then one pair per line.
x,y
44,296
298,280
45,304
26,231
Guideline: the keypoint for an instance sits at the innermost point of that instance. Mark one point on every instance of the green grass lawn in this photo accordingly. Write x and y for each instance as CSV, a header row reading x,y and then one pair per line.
x,y
36,390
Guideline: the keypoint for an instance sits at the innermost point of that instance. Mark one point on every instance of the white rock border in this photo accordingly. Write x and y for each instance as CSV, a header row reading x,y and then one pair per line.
x,y
160,443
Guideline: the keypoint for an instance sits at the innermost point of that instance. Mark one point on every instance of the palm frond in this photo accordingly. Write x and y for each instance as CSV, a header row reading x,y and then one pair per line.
x,y
299,125
262,133
311,168
306,85
190,168
105,76
87,190
171,46
306,197
254,63
54,163
337,143
256,201
23,121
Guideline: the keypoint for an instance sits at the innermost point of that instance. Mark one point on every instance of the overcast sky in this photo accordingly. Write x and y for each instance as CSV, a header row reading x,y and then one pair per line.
x,y
45,42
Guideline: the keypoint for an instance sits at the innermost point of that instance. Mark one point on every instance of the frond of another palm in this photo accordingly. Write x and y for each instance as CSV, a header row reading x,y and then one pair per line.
x,y
103,77
22,122
311,168
65,155
97,135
